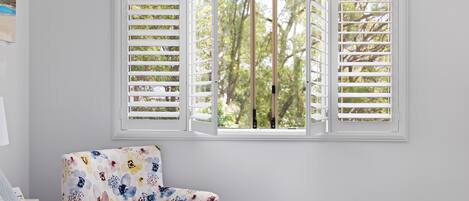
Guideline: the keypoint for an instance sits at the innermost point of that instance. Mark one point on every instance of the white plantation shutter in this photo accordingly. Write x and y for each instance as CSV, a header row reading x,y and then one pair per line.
x,y
318,66
365,61
203,67
168,59
155,75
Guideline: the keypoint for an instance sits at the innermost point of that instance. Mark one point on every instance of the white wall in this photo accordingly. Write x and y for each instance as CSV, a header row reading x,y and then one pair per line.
x,y
14,87
70,110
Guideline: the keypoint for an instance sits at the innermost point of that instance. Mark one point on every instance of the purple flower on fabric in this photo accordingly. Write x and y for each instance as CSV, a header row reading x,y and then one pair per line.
x,y
104,197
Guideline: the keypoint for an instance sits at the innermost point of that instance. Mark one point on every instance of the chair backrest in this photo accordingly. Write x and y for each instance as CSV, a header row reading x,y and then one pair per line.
x,y
127,173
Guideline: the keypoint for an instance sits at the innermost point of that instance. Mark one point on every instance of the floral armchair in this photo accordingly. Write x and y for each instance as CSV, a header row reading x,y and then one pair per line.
x,y
130,173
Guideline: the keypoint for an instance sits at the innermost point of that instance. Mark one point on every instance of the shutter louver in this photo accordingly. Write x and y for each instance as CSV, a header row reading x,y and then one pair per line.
x,y
318,62
203,67
365,60
155,82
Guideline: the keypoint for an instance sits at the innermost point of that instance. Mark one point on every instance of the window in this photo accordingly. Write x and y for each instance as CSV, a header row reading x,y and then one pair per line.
x,y
154,77
364,78
318,69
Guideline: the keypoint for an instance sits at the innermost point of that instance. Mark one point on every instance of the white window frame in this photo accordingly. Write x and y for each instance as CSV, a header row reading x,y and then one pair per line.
x,y
399,83
397,131
122,126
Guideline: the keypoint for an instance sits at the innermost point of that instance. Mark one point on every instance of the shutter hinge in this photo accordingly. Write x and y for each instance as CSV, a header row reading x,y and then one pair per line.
x,y
272,123
254,119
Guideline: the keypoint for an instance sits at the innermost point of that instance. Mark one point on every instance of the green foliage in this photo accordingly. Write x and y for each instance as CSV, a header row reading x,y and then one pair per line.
x,y
234,65
234,57
376,22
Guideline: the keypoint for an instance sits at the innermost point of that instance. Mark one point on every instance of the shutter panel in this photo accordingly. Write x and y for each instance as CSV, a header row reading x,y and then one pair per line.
x,y
318,66
203,81
364,78
155,65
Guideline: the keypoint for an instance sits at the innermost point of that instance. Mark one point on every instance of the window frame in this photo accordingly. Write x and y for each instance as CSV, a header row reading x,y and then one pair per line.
x,y
398,133
121,124
398,80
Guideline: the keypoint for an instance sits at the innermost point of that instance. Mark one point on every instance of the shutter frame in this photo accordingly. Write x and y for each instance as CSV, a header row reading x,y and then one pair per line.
x,y
199,122
391,122
157,107
372,63
317,102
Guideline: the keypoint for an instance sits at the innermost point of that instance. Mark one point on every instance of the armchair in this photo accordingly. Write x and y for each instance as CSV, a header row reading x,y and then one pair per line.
x,y
129,173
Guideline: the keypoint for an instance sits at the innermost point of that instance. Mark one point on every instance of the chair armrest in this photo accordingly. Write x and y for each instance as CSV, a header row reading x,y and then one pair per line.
x,y
170,194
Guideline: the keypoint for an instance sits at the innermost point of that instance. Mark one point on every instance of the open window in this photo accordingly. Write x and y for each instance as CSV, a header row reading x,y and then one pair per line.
x,y
316,68
167,74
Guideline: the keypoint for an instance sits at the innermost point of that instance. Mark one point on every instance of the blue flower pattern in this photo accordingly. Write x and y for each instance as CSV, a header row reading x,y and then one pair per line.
x,y
148,197
83,179
155,163
113,182
166,191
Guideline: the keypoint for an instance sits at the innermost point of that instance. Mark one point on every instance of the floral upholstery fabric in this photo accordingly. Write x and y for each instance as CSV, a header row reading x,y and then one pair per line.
x,y
130,173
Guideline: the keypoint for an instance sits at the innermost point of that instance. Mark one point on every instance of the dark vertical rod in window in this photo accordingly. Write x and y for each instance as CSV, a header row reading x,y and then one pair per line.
x,y
273,120
253,62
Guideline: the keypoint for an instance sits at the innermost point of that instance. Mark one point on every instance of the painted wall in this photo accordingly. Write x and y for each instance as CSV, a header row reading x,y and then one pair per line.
x,y
70,111
14,87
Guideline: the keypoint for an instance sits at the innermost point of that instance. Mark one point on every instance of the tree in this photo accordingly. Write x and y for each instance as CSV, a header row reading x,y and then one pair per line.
x,y
234,62
234,65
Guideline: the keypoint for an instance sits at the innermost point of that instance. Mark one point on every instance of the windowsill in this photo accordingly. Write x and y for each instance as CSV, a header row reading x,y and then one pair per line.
x,y
262,132
259,135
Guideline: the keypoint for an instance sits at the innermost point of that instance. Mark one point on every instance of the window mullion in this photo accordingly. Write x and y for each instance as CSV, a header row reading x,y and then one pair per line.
x,y
274,119
333,70
308,67
253,61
